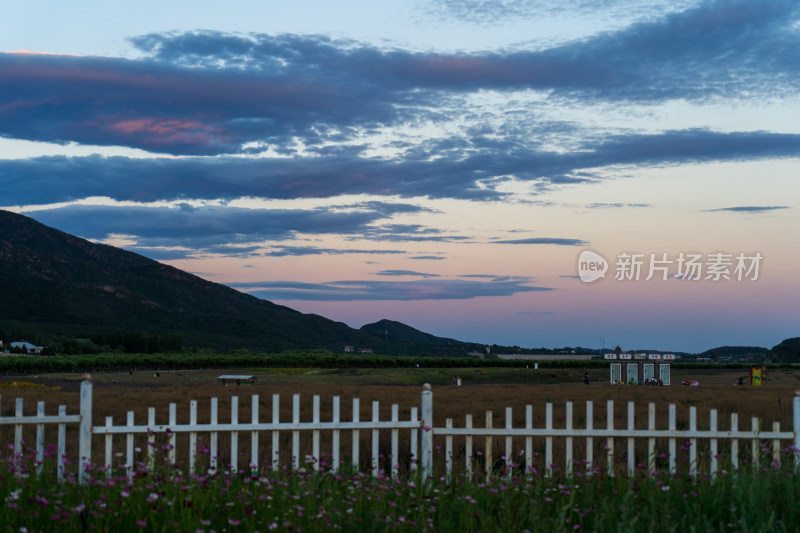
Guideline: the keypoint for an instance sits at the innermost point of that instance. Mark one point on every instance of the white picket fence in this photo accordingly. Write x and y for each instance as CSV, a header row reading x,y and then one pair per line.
x,y
422,432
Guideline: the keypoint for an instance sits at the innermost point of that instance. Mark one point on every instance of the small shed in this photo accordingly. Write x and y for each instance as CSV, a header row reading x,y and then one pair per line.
x,y
29,348
237,379
639,368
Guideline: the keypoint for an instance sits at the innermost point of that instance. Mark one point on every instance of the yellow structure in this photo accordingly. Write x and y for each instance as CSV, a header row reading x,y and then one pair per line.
x,y
756,375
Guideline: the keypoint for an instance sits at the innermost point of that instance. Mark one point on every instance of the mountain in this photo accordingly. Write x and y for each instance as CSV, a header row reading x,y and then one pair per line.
x,y
787,351
54,283
398,338
736,351
399,332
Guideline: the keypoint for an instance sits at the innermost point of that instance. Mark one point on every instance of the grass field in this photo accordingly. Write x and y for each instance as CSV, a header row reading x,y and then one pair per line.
x,y
487,389
755,500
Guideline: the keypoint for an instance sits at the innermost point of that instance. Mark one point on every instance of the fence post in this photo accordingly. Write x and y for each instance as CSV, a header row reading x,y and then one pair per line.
x,y
85,431
796,428
427,430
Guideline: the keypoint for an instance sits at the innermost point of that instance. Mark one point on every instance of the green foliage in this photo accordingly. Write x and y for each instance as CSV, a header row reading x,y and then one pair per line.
x,y
64,345
788,351
165,498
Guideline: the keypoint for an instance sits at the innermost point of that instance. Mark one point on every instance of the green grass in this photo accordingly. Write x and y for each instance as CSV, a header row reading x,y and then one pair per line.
x,y
167,499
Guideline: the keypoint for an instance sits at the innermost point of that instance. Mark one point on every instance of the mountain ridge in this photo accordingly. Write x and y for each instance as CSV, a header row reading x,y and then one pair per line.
x,y
52,277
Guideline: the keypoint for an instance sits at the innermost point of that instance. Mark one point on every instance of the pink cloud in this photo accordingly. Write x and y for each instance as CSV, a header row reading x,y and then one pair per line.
x,y
34,53
157,127
166,132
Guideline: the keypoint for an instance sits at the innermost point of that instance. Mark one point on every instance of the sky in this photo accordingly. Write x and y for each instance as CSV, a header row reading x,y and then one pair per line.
x,y
498,171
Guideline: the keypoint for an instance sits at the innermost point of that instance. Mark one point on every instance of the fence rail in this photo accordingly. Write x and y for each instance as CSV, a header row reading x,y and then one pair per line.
x,y
422,432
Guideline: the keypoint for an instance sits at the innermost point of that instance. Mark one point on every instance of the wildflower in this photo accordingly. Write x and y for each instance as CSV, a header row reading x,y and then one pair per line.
x,y
234,522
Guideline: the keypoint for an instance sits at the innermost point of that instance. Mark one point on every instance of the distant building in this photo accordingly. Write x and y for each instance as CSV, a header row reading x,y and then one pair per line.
x,y
349,348
29,348
366,350
639,368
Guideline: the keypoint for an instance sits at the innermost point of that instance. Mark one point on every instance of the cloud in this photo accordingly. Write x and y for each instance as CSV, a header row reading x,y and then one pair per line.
x,y
428,257
496,12
352,290
545,240
58,179
211,93
161,254
617,205
220,229
750,208
406,273
281,251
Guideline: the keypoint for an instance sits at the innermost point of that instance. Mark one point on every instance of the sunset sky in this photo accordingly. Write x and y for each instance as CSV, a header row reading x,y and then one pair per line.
x,y
441,163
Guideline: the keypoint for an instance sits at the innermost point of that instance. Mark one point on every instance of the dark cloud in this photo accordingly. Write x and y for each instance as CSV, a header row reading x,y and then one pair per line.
x,y
406,273
545,240
174,108
385,290
59,179
208,93
281,251
410,233
215,229
750,208
161,254
428,257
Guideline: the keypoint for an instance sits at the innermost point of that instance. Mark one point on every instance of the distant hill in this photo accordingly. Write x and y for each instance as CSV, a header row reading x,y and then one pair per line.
x,y
787,351
735,351
398,338
54,283
399,332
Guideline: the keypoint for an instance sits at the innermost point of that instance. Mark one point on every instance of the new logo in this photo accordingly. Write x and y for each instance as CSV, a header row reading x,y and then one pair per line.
x,y
591,266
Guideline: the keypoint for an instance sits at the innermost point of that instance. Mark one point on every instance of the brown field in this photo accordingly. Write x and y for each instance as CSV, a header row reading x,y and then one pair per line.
x,y
484,389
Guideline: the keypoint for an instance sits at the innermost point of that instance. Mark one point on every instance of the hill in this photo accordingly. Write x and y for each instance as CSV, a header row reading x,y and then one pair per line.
x,y
54,283
398,338
398,332
736,352
787,351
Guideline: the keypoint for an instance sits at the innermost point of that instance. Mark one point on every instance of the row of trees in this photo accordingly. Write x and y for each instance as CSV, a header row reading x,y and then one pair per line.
x,y
179,361
101,342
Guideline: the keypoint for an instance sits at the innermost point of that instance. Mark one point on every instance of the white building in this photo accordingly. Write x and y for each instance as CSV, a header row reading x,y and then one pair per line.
x,y
30,349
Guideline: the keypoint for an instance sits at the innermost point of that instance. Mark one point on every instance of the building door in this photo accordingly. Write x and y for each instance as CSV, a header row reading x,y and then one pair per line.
x,y
663,373
648,372
633,373
616,373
